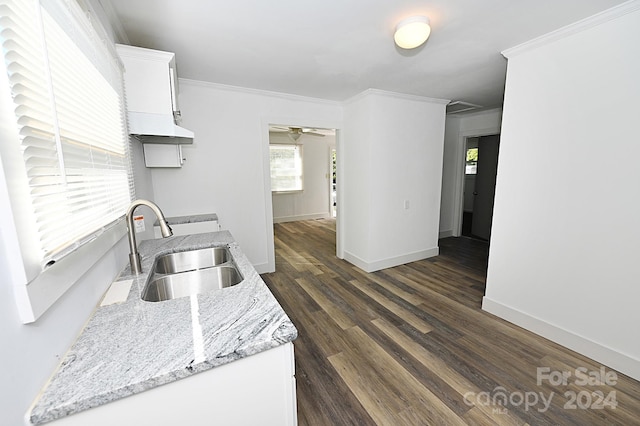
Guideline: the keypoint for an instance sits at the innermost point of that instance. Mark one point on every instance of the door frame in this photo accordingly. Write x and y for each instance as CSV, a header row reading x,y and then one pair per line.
x,y
270,266
458,199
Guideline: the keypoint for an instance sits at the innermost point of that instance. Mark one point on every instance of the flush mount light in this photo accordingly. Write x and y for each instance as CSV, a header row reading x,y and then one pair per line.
x,y
412,32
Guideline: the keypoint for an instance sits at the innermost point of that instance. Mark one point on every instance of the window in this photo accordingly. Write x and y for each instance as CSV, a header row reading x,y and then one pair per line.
x,y
472,161
286,167
66,88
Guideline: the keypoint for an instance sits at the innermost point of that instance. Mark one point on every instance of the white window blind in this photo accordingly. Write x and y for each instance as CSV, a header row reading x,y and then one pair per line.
x,y
66,87
286,167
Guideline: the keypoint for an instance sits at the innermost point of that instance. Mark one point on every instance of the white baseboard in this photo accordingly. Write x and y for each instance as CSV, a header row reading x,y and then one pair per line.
x,y
602,354
446,234
391,261
312,216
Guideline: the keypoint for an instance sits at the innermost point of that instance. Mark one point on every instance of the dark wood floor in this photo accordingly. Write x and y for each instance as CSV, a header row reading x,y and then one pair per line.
x,y
410,345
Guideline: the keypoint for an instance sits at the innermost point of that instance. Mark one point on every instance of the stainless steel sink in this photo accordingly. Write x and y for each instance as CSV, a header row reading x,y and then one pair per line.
x,y
191,260
184,284
191,272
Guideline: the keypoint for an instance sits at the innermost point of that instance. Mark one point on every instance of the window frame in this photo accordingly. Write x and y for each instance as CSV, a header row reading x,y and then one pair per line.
x,y
37,289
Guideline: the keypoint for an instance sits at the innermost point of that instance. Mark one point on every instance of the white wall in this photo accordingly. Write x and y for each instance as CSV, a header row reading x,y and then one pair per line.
x,y
449,171
313,202
227,167
457,128
393,156
355,209
30,353
564,250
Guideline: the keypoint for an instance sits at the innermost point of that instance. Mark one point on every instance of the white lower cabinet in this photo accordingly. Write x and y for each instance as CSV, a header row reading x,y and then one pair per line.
x,y
256,390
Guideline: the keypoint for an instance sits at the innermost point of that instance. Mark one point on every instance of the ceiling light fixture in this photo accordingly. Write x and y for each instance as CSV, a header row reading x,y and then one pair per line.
x,y
412,32
295,135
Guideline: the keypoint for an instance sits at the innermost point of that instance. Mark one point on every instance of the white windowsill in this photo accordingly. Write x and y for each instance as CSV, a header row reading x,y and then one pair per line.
x,y
41,293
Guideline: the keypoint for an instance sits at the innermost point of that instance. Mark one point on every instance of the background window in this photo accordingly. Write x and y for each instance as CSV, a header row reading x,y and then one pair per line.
x,y
472,161
286,167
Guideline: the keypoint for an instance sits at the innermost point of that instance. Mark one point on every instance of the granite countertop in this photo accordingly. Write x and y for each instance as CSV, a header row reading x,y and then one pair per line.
x,y
130,347
194,218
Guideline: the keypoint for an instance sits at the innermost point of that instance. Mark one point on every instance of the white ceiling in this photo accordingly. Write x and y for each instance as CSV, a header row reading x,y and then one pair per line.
x,y
335,49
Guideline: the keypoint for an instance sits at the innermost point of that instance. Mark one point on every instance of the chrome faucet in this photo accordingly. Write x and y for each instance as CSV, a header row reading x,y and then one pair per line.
x,y
134,256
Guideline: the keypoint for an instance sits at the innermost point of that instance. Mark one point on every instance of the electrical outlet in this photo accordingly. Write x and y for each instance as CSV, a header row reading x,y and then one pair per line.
x,y
406,204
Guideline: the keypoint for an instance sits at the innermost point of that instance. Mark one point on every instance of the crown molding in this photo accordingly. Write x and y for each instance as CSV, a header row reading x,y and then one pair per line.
x,y
496,110
282,95
395,95
144,53
577,27
248,90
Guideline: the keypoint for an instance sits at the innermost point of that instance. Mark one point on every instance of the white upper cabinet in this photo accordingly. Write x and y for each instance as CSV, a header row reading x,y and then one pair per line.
x,y
151,86
148,80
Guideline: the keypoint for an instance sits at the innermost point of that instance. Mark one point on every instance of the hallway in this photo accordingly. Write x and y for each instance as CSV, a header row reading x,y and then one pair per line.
x,y
410,345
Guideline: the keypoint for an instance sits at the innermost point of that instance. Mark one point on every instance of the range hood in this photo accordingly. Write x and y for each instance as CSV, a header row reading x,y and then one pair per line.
x,y
158,129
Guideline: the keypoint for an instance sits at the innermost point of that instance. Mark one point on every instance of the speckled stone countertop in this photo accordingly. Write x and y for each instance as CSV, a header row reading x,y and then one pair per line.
x,y
130,347
194,218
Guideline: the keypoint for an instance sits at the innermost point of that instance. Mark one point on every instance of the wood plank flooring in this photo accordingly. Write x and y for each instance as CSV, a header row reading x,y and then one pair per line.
x,y
410,345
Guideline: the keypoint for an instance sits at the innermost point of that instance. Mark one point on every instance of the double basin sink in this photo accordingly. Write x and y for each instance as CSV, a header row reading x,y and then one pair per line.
x,y
186,273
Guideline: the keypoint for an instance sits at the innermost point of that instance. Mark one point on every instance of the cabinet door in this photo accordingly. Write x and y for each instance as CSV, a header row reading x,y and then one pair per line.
x,y
148,84
151,82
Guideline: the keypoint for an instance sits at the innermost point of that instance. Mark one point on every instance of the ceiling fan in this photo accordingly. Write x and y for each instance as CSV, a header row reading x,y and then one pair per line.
x,y
296,132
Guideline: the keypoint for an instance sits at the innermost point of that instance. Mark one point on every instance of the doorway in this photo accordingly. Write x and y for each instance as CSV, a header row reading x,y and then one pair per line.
x,y
301,178
481,165
326,128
